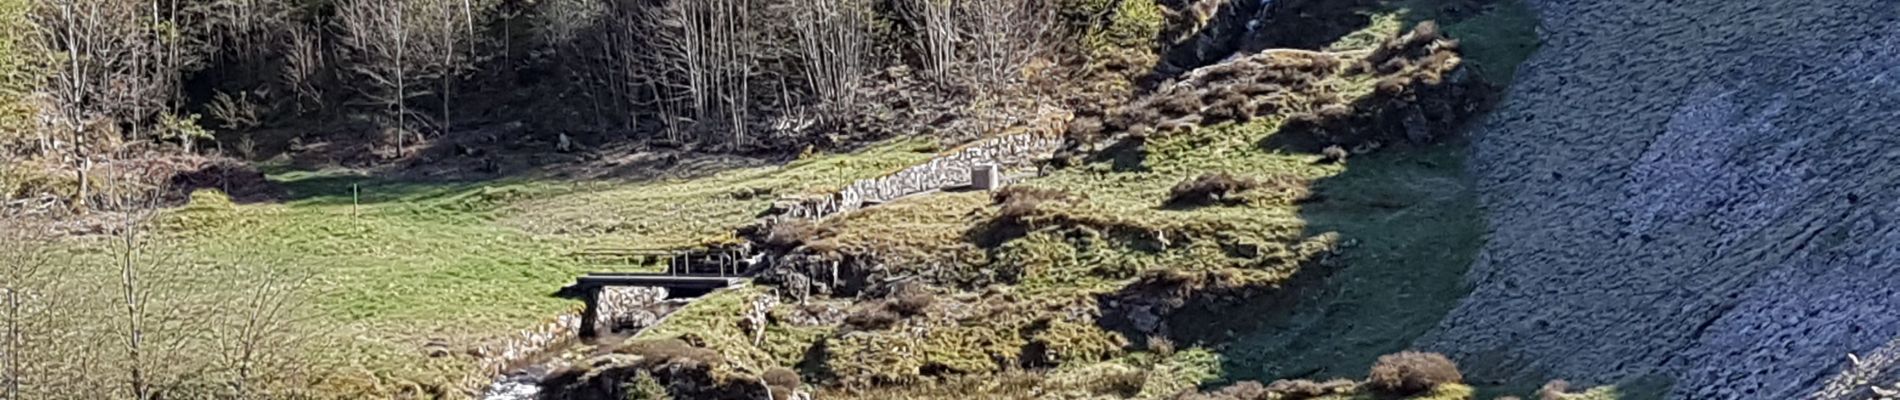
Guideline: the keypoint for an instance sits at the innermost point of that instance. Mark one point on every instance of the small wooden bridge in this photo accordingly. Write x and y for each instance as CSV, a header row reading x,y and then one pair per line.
x,y
687,274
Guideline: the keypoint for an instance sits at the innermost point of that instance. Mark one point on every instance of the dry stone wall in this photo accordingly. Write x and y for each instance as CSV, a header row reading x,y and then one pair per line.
x,y
621,306
633,306
945,171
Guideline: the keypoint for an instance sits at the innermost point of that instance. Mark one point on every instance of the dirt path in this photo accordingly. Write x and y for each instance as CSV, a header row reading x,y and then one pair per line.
x,y
1700,190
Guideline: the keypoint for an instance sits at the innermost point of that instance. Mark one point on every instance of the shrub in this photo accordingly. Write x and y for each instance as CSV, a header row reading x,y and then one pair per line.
x,y
1554,390
791,233
1306,389
1161,346
1022,201
1086,128
672,351
1124,384
1412,372
1333,154
911,299
872,316
782,377
643,387
1243,390
1210,188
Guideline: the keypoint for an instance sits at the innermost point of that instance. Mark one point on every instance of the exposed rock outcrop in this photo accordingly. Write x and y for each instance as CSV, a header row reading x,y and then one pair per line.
x,y
1697,190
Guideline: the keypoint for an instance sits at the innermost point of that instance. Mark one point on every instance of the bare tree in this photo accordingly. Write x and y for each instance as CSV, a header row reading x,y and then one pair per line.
x,y
303,61
375,40
154,311
1003,35
935,29
259,329
100,42
834,40
25,258
708,50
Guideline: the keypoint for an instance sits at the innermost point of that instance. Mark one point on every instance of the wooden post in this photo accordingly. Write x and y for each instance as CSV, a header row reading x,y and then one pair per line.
x,y
590,313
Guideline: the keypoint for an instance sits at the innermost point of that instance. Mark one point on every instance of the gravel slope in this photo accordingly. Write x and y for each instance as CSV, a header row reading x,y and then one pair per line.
x,y
1698,189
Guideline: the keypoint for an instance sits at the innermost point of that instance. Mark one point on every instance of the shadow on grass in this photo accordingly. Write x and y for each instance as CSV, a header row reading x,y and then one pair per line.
x,y
1414,228
1410,214
1409,227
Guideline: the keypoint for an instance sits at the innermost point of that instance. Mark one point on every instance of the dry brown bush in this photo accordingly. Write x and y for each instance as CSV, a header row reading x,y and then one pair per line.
x,y
1554,390
782,377
912,299
1160,346
1411,372
792,233
1021,201
1125,384
1295,389
1244,390
1210,188
673,352
871,316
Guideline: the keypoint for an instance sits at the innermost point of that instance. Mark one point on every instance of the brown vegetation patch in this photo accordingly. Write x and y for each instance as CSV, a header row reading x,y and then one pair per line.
x,y
1422,92
1293,389
671,351
1412,372
1211,188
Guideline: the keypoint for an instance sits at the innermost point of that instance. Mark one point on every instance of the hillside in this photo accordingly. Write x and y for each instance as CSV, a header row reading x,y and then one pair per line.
x,y
1691,193
1248,199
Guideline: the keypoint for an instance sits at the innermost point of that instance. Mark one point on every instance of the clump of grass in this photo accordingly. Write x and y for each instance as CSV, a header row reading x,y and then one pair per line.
x,y
1303,388
907,300
1021,201
789,234
1421,92
1244,390
1211,188
1412,372
872,316
1239,90
1124,383
782,377
1161,346
672,351
912,299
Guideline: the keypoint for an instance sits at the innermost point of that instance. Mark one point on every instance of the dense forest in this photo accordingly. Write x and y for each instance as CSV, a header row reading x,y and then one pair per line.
x,y
90,81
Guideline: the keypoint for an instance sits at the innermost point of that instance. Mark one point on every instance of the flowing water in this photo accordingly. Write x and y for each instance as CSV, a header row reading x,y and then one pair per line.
x,y
625,312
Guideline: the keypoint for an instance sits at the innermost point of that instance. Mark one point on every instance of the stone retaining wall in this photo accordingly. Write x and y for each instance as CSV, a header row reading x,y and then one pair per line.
x,y
1019,149
945,171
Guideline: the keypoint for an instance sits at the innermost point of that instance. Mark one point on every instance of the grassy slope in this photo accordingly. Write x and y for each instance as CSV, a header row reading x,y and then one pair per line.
x,y
470,261
1408,218
412,262
1415,224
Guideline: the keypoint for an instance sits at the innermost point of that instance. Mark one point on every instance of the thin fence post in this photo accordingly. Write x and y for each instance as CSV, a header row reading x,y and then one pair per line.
x,y
355,199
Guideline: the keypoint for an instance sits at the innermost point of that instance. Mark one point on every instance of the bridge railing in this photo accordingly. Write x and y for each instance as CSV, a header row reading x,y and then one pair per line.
x,y
726,261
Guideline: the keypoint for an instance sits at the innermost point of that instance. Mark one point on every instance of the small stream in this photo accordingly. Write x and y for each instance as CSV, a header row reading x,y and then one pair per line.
x,y
625,313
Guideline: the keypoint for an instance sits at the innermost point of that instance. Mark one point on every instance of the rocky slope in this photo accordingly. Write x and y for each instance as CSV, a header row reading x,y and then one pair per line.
x,y
1697,190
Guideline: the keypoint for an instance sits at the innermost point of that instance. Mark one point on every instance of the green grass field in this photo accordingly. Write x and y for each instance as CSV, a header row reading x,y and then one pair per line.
x,y
397,265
